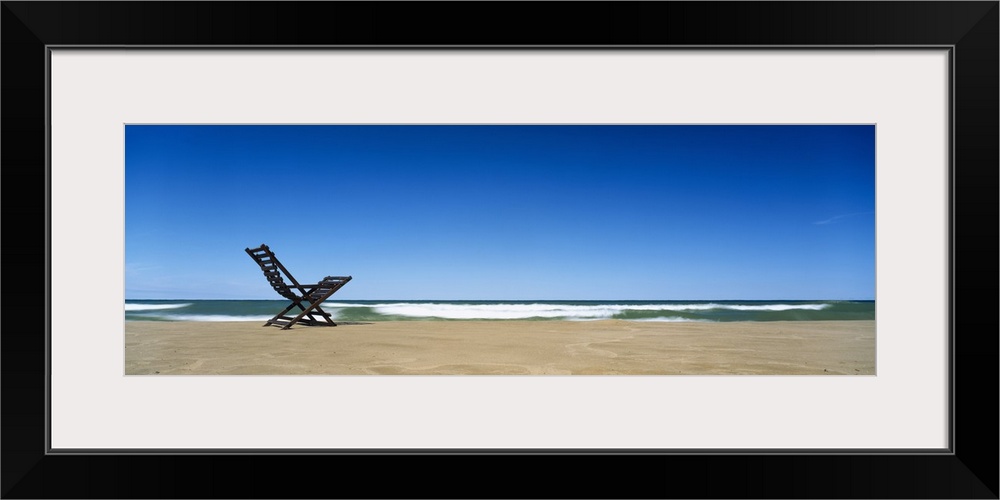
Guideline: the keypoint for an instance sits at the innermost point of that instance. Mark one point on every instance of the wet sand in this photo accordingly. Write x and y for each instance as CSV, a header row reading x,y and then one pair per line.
x,y
609,347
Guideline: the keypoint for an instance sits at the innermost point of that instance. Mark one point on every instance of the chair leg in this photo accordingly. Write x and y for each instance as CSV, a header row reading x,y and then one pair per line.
x,y
280,317
306,312
308,315
312,321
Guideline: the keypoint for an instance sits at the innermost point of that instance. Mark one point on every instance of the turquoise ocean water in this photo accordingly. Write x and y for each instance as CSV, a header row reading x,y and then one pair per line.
x,y
411,310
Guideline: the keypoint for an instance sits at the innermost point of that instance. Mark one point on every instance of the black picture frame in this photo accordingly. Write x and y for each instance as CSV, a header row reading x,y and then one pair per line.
x,y
970,29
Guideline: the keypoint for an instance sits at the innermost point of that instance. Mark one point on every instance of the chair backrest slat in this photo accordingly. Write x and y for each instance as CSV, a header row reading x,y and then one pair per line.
x,y
269,264
329,285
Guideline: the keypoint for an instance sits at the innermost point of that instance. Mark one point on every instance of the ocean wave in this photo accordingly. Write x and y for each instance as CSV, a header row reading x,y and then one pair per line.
x,y
495,311
562,310
567,311
741,307
153,307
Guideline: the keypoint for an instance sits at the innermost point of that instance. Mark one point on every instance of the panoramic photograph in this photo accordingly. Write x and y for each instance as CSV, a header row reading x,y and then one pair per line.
x,y
499,250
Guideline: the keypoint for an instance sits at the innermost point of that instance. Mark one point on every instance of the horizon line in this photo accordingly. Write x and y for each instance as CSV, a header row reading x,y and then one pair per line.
x,y
538,300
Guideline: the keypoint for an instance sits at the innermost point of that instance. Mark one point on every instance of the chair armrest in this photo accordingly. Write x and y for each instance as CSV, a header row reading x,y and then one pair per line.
x,y
328,278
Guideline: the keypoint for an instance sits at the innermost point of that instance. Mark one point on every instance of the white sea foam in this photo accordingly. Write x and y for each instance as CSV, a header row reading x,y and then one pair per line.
x,y
739,307
568,311
496,311
153,307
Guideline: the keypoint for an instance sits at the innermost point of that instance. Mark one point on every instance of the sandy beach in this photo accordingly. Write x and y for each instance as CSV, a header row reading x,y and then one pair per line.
x,y
608,347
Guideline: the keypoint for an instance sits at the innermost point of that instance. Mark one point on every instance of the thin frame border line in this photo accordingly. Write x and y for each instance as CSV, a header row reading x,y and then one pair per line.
x,y
949,450
967,25
489,48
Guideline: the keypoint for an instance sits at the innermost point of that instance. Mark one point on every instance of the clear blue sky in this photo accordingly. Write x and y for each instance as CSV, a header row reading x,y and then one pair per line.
x,y
504,212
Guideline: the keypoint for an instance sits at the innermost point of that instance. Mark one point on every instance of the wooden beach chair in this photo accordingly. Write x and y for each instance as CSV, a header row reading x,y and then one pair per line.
x,y
306,297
